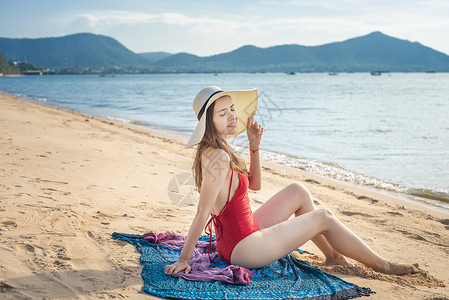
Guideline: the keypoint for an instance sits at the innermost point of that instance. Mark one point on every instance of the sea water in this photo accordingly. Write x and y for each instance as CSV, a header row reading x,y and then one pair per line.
x,y
389,132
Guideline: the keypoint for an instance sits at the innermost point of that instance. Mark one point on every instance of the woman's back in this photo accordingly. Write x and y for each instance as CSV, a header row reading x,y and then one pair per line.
x,y
216,158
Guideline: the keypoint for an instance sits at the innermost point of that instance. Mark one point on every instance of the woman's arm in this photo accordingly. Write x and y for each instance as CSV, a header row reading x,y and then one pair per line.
x,y
215,169
254,132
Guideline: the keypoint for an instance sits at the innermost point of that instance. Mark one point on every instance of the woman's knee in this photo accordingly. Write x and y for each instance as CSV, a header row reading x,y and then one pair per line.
x,y
303,198
325,215
300,190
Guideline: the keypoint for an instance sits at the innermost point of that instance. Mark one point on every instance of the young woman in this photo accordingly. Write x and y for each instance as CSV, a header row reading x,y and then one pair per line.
x,y
247,239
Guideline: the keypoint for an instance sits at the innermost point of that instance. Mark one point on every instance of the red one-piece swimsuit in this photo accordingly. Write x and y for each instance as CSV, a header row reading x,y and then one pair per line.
x,y
235,221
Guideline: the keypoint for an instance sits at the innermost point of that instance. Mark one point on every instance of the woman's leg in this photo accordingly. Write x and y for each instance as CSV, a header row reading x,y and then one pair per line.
x,y
296,199
269,244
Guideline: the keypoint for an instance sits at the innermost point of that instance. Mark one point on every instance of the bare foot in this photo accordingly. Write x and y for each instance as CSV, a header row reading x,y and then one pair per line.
x,y
399,269
339,260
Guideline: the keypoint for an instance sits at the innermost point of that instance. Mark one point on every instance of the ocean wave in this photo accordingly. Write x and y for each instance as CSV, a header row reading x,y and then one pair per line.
x,y
429,194
435,198
26,97
140,123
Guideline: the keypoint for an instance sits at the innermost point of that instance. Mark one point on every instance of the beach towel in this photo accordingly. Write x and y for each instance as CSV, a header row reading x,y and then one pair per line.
x,y
200,261
287,278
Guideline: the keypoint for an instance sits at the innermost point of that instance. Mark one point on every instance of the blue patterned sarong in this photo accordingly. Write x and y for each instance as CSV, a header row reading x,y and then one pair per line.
x,y
287,278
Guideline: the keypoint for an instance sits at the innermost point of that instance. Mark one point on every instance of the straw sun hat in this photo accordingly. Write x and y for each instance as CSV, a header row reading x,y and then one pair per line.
x,y
245,104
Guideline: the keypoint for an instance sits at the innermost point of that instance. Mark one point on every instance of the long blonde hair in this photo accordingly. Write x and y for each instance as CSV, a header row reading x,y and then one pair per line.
x,y
212,139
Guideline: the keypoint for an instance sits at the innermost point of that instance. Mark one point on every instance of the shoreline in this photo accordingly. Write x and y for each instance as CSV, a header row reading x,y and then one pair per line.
x,y
394,160
384,187
422,197
69,180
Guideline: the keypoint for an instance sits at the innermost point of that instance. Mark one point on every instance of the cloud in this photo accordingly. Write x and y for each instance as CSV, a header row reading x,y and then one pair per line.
x,y
80,24
341,6
311,24
183,20
215,26
102,20
217,33
435,5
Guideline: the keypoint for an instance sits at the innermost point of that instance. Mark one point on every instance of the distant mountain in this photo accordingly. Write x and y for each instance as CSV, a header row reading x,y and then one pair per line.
x,y
83,50
372,52
155,56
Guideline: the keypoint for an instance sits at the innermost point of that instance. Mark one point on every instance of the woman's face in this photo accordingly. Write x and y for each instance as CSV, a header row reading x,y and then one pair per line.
x,y
225,118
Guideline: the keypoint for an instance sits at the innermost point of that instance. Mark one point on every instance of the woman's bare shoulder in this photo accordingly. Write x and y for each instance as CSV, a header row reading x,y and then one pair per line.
x,y
215,158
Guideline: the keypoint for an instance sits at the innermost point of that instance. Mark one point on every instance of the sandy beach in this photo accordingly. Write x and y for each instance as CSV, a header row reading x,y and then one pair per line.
x,y
68,181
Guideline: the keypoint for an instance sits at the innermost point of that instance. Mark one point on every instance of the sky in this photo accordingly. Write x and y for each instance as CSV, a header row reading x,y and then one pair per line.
x,y
212,27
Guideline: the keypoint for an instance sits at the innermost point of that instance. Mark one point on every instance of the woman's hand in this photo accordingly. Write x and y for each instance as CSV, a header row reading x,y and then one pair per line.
x,y
178,266
254,132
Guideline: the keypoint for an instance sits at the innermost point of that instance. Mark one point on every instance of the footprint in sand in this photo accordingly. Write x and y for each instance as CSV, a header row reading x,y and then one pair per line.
x,y
352,213
91,235
421,238
444,221
312,181
394,213
432,233
29,247
9,224
48,191
61,252
5,288
368,198
101,215
412,235
40,180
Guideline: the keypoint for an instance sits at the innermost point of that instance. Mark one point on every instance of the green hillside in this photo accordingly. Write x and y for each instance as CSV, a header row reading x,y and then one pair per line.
x,y
83,50
155,56
6,68
374,51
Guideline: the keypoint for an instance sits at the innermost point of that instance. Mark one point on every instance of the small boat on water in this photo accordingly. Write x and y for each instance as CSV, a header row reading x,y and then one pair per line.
x,y
376,73
291,73
333,73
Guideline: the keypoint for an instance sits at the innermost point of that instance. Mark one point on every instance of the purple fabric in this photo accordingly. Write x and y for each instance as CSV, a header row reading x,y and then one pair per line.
x,y
200,263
